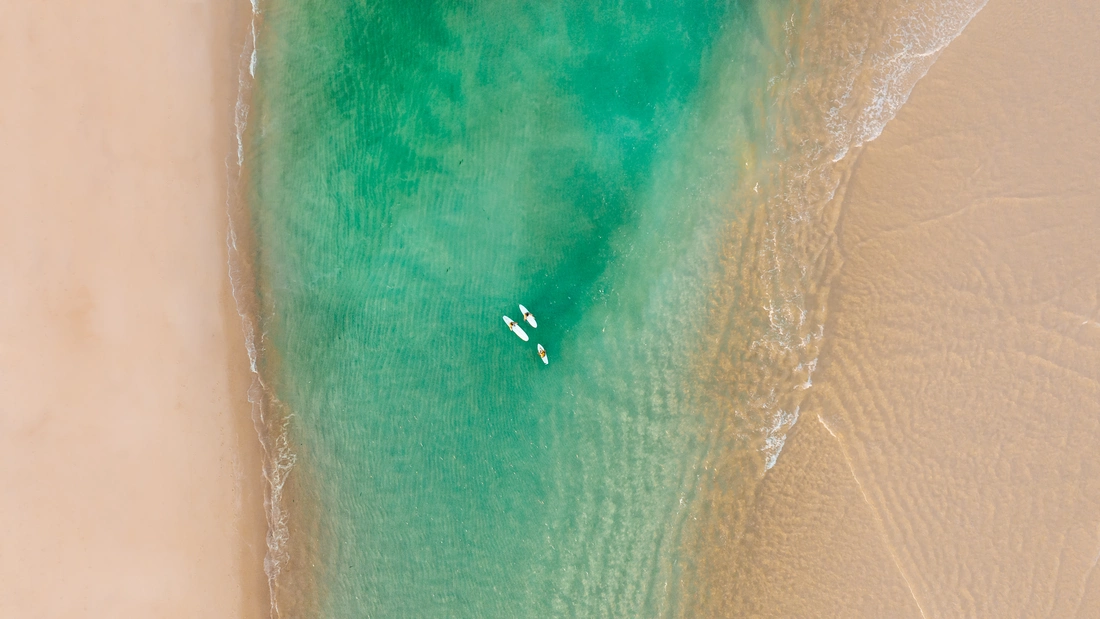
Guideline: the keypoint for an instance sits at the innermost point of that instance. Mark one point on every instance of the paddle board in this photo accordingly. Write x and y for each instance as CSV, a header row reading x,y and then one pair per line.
x,y
518,330
528,317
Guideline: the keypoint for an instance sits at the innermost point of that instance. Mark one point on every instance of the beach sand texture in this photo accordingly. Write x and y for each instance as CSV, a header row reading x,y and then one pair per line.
x,y
128,462
947,462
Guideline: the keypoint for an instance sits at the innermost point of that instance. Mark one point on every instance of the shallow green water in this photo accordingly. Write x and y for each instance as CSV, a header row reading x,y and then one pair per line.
x,y
419,169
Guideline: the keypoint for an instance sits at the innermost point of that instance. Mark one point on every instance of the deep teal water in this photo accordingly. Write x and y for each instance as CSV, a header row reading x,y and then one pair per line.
x,y
417,170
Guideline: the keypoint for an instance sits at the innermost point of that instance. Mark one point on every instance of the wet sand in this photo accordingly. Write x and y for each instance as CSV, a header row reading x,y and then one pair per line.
x,y
129,465
947,461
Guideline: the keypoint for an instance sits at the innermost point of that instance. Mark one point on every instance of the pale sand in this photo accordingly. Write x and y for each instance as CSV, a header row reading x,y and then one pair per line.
x,y
947,461
130,471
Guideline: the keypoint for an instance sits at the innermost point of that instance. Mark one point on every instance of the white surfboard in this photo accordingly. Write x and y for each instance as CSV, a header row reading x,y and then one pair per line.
x,y
518,330
542,353
528,317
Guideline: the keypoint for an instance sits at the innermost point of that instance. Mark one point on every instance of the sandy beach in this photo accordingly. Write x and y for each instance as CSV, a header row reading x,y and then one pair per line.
x,y
947,463
129,464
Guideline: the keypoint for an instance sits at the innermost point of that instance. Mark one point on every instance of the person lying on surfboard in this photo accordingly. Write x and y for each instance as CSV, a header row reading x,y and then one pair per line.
x,y
515,328
528,317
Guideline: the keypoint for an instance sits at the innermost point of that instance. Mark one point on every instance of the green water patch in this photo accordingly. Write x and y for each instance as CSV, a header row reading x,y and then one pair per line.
x,y
419,169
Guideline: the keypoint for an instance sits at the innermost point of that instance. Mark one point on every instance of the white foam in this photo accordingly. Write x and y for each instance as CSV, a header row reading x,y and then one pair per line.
x,y
866,71
777,436
270,424
912,45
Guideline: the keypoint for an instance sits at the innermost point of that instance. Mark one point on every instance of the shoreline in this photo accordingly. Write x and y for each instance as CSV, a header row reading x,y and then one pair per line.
x,y
132,468
944,463
240,20
857,64
294,536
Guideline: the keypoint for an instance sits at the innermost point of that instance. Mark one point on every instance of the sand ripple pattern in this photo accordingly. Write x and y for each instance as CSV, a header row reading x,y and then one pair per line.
x,y
839,72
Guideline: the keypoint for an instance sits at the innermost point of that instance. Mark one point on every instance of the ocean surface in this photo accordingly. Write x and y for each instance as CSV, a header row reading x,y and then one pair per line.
x,y
657,182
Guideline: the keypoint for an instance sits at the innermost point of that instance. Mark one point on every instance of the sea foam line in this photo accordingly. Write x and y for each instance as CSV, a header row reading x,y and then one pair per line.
x,y
871,86
271,427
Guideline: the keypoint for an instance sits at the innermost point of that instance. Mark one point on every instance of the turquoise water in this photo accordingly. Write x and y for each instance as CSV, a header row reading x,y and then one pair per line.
x,y
417,170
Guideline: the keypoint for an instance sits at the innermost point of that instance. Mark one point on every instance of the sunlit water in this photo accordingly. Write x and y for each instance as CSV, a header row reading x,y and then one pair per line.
x,y
651,180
